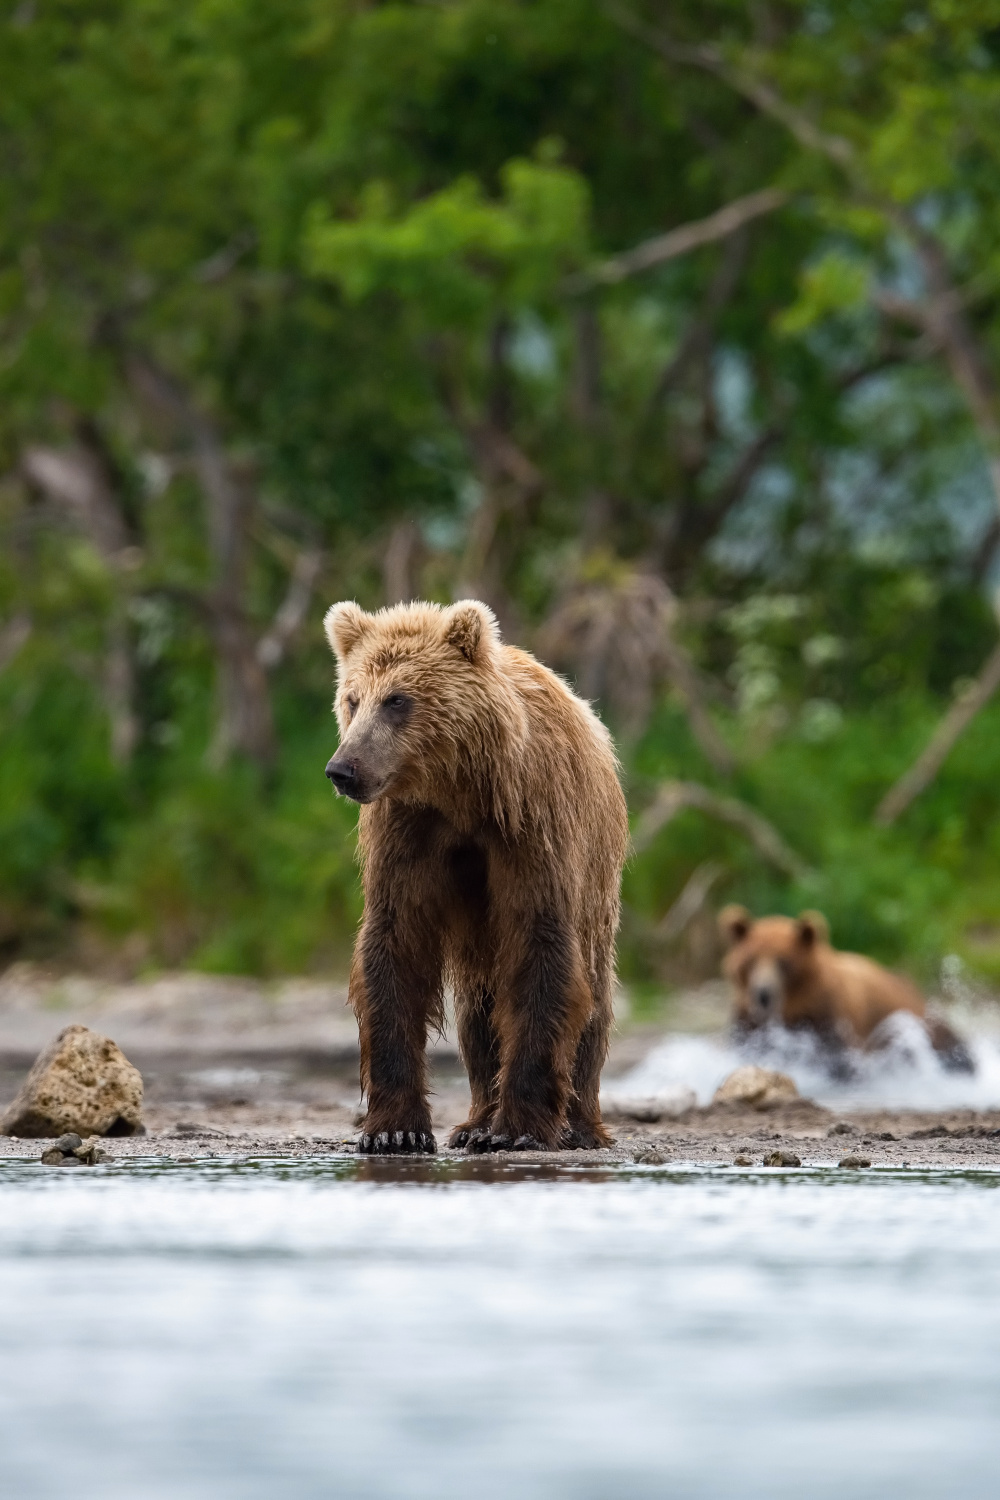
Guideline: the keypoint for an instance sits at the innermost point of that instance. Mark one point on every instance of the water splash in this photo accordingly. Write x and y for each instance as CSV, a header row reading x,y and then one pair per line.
x,y
906,1074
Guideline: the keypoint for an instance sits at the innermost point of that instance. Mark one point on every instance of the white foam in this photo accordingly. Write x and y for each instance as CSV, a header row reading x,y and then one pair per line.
x,y
907,1074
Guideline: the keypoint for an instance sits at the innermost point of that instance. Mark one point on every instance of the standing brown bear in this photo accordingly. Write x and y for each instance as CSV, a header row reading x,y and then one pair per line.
x,y
492,835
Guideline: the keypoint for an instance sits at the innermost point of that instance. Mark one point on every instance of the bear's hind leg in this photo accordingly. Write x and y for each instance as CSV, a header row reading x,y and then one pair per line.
x,y
480,1049
540,1012
584,1129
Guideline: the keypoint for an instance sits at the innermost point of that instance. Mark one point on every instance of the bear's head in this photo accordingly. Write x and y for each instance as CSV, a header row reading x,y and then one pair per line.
x,y
422,701
772,962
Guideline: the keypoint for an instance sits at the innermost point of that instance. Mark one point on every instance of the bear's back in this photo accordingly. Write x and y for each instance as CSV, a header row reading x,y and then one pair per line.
x,y
866,993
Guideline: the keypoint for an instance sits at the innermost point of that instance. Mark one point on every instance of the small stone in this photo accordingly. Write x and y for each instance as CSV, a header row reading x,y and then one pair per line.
x,y
782,1159
742,1160
52,1157
86,1148
71,1161
649,1158
99,1156
854,1161
68,1142
843,1127
761,1088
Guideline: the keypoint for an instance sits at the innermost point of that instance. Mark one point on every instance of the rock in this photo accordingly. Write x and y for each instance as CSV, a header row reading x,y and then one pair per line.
x,y
52,1158
81,1084
67,1143
782,1159
854,1161
843,1127
71,1161
761,1088
648,1111
649,1158
92,1153
742,1160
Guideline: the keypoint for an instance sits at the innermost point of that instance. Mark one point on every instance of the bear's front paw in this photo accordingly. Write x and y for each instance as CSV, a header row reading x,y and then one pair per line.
x,y
397,1143
480,1141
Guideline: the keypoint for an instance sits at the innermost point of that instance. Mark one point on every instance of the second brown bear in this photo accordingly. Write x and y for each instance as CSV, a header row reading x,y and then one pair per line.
x,y
492,834
784,972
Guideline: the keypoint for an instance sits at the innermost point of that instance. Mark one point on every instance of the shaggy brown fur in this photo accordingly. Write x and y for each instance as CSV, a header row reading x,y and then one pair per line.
x,y
492,836
785,971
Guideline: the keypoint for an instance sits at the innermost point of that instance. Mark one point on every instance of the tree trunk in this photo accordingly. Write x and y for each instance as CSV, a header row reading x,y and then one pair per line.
x,y
244,722
400,563
81,479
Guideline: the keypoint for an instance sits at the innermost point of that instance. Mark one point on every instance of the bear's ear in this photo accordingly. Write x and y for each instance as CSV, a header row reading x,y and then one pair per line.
x,y
472,629
345,624
734,924
812,928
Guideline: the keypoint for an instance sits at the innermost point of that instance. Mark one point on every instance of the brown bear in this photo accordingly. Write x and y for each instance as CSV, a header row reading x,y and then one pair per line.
x,y
784,971
492,835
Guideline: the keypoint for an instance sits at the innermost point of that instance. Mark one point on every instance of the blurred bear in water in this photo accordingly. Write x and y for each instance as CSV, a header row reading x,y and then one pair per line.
x,y
785,973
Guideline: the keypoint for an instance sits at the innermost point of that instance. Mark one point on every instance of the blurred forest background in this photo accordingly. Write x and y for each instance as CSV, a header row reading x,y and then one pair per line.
x,y
670,329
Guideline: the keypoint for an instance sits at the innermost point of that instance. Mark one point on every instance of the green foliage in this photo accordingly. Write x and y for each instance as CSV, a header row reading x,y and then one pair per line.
x,y
353,241
455,254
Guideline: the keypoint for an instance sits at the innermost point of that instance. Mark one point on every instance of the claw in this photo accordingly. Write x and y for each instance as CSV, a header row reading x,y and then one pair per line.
x,y
411,1140
397,1139
527,1143
365,1143
382,1141
459,1139
429,1144
501,1142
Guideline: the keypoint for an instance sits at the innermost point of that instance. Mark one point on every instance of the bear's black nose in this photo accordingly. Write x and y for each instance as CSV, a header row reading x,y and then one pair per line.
x,y
344,776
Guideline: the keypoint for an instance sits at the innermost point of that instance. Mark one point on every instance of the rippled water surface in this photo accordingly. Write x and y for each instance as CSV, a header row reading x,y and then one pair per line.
x,y
336,1329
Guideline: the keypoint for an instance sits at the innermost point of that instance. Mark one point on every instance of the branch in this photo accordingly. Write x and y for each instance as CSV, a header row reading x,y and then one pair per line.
x,y
82,479
677,242
76,478
682,673
942,318
13,636
952,726
942,315
244,721
693,524
836,147
676,797
272,646
695,341
689,903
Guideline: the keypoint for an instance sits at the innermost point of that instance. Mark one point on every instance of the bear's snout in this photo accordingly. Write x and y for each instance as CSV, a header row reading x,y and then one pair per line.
x,y
344,775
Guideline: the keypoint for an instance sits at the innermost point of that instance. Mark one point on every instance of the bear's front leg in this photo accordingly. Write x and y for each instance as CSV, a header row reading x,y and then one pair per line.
x,y
394,991
540,1011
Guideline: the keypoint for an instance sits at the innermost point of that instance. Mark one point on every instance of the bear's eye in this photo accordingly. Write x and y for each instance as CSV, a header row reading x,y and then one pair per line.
x,y
396,703
352,707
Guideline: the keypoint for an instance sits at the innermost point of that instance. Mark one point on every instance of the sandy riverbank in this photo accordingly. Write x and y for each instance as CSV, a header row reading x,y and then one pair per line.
x,y
233,1067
